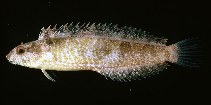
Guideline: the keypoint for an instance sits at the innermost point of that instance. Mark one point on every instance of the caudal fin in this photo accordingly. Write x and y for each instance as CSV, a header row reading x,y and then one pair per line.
x,y
187,52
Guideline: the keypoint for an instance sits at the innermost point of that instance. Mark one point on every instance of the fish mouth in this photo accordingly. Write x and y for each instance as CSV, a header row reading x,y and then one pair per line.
x,y
8,56
10,61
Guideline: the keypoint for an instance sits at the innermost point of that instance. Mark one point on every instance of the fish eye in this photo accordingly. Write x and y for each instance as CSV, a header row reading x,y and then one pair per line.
x,y
20,50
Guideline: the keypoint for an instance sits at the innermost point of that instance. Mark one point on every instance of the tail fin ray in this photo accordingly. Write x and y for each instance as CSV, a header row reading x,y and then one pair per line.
x,y
189,52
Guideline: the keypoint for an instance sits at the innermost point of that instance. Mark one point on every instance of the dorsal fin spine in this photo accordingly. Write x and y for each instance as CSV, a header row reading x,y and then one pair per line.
x,y
106,30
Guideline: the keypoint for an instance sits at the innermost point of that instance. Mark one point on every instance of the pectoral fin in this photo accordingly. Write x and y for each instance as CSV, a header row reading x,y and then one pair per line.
x,y
48,76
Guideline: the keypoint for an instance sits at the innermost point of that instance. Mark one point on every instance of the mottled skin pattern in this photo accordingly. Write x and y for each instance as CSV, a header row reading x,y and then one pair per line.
x,y
104,49
122,53
95,53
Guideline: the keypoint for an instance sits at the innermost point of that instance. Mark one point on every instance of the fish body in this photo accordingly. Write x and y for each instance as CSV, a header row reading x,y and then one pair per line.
x,y
111,51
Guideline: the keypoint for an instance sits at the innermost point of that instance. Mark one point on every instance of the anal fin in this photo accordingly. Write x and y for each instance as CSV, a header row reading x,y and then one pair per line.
x,y
48,76
124,74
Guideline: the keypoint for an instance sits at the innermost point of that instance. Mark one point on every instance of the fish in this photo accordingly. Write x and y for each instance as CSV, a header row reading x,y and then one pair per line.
x,y
120,53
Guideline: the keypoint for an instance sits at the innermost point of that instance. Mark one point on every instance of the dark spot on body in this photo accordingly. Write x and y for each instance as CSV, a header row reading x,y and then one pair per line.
x,y
49,42
125,47
34,48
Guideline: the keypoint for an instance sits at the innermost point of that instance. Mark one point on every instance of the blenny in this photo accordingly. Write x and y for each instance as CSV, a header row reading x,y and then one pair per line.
x,y
120,53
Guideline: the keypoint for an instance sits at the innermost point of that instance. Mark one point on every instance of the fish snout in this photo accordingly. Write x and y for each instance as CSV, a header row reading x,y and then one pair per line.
x,y
8,56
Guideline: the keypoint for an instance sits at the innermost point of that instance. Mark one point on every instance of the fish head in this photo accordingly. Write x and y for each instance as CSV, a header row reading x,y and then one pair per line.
x,y
27,54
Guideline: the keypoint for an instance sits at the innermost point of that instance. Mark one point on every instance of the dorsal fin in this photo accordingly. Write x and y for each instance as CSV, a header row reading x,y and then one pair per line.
x,y
47,33
105,30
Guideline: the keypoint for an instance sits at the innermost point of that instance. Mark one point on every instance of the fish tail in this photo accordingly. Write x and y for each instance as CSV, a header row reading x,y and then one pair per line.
x,y
186,53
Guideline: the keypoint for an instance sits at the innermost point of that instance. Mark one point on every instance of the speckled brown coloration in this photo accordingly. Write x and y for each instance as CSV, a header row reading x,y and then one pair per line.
x,y
111,51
